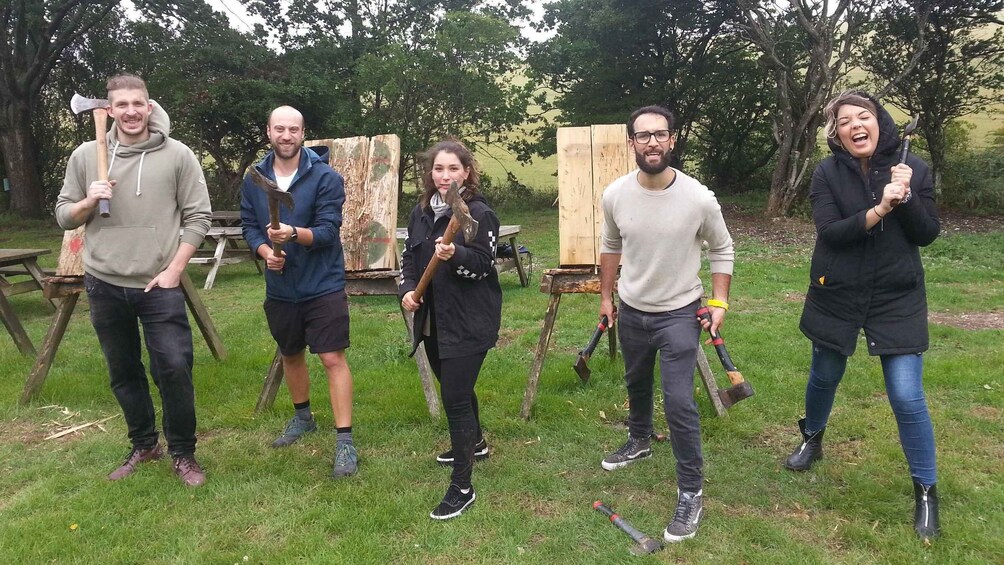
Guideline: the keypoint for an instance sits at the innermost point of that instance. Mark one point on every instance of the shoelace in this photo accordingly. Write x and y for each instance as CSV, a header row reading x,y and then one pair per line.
x,y
343,456
683,510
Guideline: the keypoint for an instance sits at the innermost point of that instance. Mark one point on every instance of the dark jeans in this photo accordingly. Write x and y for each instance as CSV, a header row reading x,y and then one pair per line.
x,y
903,384
114,314
674,337
457,377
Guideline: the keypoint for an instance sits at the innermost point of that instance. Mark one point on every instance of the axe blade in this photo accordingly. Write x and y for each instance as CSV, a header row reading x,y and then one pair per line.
x,y
581,367
80,103
271,188
461,212
910,127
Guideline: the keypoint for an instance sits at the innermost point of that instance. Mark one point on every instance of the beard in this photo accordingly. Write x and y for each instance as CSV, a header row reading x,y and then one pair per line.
x,y
286,152
655,169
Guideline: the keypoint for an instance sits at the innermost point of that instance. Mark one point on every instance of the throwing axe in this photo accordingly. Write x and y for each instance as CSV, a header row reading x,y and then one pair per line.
x,y
645,544
276,196
580,364
740,389
461,220
99,109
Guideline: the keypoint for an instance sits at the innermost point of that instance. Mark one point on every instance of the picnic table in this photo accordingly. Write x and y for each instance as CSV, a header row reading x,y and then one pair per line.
x,y
225,245
502,263
17,262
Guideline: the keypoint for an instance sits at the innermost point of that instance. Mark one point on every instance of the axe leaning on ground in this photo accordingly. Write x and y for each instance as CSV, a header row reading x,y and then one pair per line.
x,y
645,544
275,197
461,220
904,150
740,389
580,364
99,108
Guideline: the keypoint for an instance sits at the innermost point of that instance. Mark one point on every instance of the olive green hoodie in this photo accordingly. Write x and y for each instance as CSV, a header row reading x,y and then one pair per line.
x,y
160,192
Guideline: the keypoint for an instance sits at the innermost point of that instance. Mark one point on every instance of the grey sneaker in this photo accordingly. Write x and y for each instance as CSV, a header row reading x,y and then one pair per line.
x,y
633,450
294,430
346,460
689,511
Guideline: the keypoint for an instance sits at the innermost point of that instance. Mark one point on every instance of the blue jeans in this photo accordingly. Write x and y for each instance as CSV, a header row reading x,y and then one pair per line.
x,y
168,336
673,336
903,383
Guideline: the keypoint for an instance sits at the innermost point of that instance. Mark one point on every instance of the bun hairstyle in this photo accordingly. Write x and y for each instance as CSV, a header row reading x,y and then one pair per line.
x,y
466,158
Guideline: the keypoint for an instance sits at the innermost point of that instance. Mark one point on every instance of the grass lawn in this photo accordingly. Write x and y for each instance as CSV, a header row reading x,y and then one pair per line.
x,y
535,492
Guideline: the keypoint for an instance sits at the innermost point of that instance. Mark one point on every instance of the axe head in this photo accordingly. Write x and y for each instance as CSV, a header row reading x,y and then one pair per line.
x,y
460,211
271,188
581,368
646,545
908,130
80,104
735,393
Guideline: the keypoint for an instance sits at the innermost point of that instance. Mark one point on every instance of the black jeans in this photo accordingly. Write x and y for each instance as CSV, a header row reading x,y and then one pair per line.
x,y
674,337
457,377
168,336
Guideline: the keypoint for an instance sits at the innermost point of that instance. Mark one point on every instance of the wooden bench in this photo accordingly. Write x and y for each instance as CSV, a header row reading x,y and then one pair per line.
x,y
226,246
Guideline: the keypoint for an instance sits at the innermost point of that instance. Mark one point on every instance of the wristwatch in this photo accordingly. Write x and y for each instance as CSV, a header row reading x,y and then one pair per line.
x,y
293,236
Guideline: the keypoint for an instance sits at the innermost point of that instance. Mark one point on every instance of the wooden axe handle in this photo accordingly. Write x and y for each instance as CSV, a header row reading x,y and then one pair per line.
x,y
423,284
100,135
273,217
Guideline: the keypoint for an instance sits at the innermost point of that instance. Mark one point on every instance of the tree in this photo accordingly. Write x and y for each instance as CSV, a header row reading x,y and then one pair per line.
x,y
34,35
961,72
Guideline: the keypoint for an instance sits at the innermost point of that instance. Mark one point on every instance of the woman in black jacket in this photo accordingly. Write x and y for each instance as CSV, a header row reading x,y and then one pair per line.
x,y
458,317
872,214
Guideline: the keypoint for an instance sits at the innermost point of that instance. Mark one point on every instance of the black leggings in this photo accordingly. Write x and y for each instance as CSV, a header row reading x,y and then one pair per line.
x,y
457,377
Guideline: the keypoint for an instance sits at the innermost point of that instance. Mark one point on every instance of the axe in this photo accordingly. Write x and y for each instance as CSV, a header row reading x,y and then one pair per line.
x,y
904,150
99,108
275,197
645,545
584,355
740,389
461,219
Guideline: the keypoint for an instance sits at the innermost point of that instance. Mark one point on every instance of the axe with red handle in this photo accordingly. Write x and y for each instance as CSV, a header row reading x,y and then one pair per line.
x,y
740,389
645,544
580,364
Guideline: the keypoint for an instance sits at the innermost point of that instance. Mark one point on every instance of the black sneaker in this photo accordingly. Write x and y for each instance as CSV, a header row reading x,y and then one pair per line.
x,y
454,503
633,450
689,511
480,453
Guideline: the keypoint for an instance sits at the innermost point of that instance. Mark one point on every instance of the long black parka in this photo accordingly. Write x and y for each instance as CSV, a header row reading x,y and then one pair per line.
x,y
871,279
464,295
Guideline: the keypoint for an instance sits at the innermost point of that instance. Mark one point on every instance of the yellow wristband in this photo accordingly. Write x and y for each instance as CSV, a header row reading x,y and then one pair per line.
x,y
719,304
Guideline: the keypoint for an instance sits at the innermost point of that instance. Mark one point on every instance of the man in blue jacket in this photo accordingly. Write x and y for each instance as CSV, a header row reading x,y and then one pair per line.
x,y
305,301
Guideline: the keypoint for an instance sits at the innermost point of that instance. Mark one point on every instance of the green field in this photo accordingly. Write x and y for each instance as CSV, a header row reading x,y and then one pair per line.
x,y
535,492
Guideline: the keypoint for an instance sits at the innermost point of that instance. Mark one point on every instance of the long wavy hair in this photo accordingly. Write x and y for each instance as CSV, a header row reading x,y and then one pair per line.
x,y
466,159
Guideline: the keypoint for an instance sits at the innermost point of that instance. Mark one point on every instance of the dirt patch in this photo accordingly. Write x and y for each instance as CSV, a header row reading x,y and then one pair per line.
x,y
969,320
953,221
988,413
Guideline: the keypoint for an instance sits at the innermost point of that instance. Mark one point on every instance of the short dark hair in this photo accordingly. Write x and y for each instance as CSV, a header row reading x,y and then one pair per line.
x,y
466,158
126,81
658,110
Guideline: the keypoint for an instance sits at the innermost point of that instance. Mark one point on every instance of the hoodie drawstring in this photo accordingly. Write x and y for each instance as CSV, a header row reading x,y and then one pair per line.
x,y
139,175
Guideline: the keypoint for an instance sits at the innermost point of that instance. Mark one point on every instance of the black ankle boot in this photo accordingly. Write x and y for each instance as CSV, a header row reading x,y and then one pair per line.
x,y
925,514
810,451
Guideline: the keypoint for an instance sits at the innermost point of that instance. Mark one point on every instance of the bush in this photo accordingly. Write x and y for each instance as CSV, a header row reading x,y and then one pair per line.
x,y
514,195
973,179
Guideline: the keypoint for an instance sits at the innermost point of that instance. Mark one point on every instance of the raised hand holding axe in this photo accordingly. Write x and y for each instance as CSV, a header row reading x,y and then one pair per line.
x,y
99,109
904,152
461,220
276,196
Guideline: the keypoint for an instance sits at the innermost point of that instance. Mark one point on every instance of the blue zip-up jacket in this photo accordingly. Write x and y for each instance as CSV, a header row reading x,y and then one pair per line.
x,y
318,195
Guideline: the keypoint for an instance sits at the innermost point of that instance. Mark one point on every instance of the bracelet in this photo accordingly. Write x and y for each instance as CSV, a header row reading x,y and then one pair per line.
x,y
719,304
875,209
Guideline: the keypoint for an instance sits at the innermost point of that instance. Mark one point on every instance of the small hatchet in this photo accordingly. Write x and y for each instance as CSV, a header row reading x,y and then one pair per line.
x,y
580,364
740,389
645,544
461,220
99,109
276,196
904,150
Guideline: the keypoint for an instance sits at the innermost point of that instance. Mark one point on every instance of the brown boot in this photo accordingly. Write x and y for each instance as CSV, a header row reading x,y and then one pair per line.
x,y
189,471
136,457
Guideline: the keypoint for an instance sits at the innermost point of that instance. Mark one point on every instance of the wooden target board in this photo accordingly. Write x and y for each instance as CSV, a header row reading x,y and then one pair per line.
x,y
589,158
369,167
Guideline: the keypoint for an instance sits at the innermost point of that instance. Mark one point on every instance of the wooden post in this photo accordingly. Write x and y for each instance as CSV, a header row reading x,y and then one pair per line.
x,y
14,327
49,346
202,318
538,357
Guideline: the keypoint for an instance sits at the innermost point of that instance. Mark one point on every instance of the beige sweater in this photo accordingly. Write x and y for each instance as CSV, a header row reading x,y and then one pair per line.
x,y
659,235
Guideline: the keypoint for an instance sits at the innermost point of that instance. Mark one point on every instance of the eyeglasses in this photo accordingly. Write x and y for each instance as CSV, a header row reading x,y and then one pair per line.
x,y
643,137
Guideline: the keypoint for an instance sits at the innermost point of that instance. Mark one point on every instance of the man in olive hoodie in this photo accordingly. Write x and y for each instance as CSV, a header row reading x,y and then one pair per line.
x,y
133,262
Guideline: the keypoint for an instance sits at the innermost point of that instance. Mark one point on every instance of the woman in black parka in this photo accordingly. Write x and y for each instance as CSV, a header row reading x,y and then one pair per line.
x,y
458,317
872,215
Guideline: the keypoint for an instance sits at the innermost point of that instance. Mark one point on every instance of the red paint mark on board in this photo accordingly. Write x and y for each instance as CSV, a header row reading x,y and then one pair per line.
x,y
76,244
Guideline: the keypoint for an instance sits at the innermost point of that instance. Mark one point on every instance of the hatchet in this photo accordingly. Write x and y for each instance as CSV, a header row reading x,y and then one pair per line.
x,y
904,150
580,364
99,109
461,220
276,196
645,544
740,389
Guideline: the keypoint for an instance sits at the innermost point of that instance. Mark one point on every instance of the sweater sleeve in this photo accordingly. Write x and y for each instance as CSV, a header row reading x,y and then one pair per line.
x,y
721,252
74,188
610,234
193,199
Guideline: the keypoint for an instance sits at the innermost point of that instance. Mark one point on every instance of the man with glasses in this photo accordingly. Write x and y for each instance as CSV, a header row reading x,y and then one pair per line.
x,y
655,219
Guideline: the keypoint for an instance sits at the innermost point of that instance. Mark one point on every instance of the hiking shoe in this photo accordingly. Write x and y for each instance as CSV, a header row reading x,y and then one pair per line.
x,y
294,430
136,456
480,453
346,460
189,471
633,450
689,511
454,503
